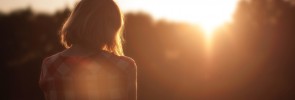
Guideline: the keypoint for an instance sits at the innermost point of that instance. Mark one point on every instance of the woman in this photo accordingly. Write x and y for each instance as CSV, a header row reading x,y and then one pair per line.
x,y
93,67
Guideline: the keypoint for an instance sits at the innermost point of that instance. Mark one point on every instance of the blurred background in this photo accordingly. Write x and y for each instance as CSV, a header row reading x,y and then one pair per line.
x,y
184,49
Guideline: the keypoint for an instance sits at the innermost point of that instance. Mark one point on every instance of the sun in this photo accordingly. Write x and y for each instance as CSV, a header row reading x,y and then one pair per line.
x,y
209,14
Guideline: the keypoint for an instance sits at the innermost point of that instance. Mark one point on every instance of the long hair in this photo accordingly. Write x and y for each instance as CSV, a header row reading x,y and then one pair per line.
x,y
94,24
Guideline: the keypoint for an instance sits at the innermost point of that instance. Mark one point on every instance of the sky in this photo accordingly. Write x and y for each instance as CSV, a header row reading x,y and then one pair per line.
x,y
195,11
50,6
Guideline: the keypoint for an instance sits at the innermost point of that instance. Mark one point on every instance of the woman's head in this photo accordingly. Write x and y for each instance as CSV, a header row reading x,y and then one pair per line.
x,y
94,24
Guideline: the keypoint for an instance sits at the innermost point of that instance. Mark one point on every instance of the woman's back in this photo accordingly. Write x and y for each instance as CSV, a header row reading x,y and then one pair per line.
x,y
93,66
98,76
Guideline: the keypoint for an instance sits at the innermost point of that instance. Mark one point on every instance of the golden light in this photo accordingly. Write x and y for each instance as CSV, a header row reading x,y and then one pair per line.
x,y
209,14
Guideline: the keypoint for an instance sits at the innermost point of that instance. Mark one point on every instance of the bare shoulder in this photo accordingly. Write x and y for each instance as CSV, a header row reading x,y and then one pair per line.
x,y
127,62
127,59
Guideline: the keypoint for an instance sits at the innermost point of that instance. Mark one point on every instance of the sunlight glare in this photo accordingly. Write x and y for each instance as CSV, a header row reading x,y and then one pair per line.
x,y
209,14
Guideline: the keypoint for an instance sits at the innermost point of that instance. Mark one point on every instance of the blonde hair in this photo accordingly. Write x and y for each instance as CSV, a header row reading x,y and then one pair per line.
x,y
95,24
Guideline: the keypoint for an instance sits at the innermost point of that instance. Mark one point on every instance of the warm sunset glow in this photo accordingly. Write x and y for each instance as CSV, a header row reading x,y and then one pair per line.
x,y
209,14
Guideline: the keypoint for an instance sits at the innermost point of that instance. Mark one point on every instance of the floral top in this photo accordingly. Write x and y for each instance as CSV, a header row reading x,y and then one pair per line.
x,y
102,76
